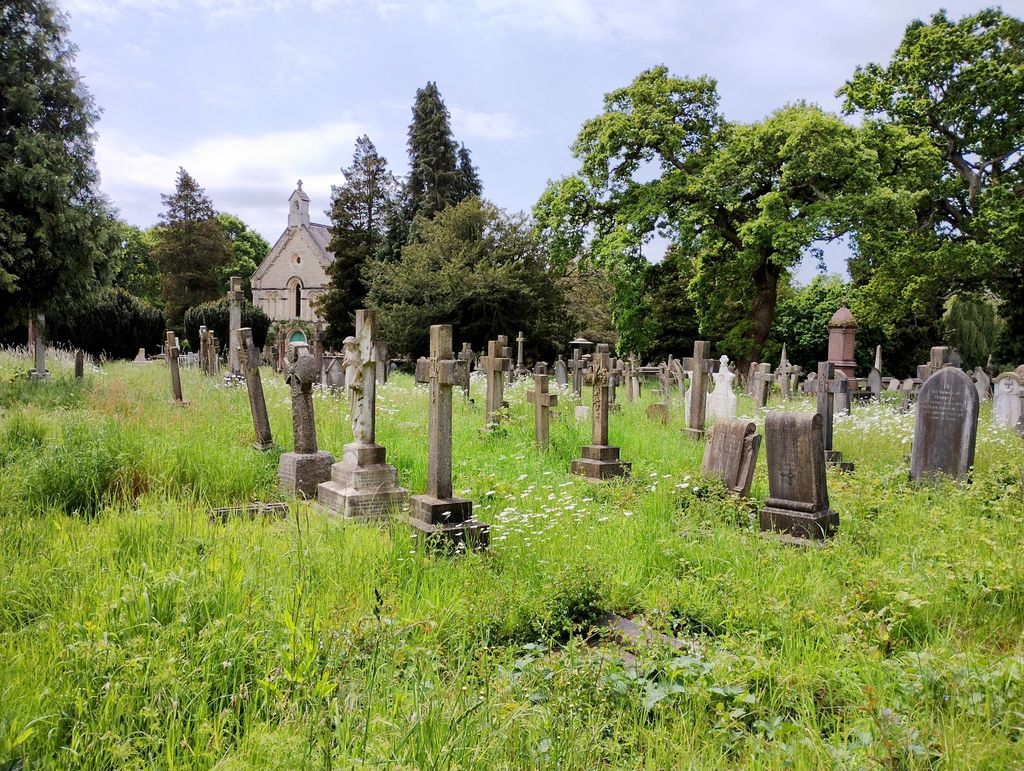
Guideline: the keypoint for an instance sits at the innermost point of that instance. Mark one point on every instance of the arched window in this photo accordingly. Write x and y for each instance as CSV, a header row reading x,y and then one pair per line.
x,y
295,295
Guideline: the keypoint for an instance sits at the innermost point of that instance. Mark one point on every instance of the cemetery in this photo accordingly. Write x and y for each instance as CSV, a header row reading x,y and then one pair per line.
x,y
708,453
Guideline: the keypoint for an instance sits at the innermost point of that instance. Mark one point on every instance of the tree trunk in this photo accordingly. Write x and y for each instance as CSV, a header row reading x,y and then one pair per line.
x,y
766,294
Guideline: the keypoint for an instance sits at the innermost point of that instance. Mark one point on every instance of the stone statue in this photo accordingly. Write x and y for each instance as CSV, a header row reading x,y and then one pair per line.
x,y
359,410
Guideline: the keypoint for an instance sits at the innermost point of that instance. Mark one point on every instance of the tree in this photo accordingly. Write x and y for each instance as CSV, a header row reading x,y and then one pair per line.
x,y
434,177
191,248
54,224
469,179
248,248
957,85
114,324
742,203
216,315
358,226
476,268
971,325
134,267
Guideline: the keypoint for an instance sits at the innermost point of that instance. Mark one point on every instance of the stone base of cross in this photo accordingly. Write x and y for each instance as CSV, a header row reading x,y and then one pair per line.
x,y
300,473
362,486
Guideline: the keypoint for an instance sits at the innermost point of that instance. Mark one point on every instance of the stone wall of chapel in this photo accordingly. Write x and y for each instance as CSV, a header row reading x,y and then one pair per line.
x,y
297,259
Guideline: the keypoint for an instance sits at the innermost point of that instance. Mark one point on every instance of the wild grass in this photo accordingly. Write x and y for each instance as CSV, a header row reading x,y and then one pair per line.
x,y
136,633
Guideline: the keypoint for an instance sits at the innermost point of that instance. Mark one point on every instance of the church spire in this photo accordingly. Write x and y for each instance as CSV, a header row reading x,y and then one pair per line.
x,y
298,207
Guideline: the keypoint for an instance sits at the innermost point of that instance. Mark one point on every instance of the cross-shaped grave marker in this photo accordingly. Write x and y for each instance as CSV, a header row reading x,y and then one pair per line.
x,y
542,401
436,514
600,461
699,366
494,366
249,360
171,354
827,386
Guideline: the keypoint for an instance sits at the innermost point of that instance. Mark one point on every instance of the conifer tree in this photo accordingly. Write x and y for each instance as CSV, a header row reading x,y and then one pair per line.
x,y
54,223
191,248
358,225
469,180
434,180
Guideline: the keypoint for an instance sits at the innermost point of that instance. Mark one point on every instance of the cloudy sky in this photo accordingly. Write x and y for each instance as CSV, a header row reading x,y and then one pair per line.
x,y
251,95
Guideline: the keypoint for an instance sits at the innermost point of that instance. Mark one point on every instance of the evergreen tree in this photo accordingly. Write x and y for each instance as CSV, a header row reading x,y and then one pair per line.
x,y
54,224
358,226
191,248
469,180
434,179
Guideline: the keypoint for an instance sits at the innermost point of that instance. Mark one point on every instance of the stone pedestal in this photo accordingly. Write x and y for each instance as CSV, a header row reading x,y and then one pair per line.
x,y
362,485
599,462
447,523
812,525
301,473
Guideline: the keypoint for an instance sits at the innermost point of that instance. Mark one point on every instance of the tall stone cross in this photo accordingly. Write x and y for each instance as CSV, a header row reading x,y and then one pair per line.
x,y
599,460
506,354
520,366
235,296
250,362
700,365
827,385
577,364
444,373
171,354
783,374
361,377
542,401
318,351
601,397
665,381
494,366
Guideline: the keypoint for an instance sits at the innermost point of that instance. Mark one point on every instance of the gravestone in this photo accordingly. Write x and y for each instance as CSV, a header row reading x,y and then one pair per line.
x,y
441,518
520,370
282,351
600,461
204,354
748,385
1020,371
79,364
842,336
982,384
1006,402
577,364
381,370
761,385
842,401
213,350
810,385
465,356
731,454
171,357
797,503
894,384
542,402
561,372
422,371
658,411
946,426
698,366
249,360
783,374
722,401
140,357
495,364
302,470
37,328
875,383
633,379
363,485
909,388
235,296
938,357
829,383
318,350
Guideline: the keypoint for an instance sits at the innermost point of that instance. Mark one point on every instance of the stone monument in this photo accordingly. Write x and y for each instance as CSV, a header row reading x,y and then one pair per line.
x,y
234,323
945,427
731,454
300,471
495,364
542,402
722,401
600,461
1006,402
842,336
699,366
249,360
171,356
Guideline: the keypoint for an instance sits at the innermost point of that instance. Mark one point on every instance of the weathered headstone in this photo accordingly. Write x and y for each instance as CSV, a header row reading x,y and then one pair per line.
x,y
762,384
748,385
783,373
282,350
422,372
633,379
542,402
436,514
946,426
204,353
381,357
982,384
79,364
722,401
842,400
1006,403
940,356
577,364
318,350
797,503
171,357
38,332
698,366
494,367
561,373
303,469
600,461
249,358
140,357
520,370
875,383
465,356
363,485
731,454
235,296
829,384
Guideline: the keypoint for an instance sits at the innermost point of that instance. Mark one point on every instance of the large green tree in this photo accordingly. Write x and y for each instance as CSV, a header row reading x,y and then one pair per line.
x,y
957,84
134,268
191,248
248,248
743,203
476,268
55,228
358,227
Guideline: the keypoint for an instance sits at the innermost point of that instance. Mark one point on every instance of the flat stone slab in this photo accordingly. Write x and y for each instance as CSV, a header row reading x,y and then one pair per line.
x,y
249,511
628,632
792,540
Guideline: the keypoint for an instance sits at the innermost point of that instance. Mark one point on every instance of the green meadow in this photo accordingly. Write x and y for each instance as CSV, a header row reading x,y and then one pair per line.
x,y
136,633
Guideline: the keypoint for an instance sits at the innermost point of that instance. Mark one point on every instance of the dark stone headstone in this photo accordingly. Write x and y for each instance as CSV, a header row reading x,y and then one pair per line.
x,y
731,454
946,426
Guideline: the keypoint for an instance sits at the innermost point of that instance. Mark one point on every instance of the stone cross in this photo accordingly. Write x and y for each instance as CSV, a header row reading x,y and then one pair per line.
x,y
797,504
520,366
945,427
494,364
465,356
381,357
302,470
436,514
577,364
761,385
938,357
600,461
828,385
249,357
203,353
361,377
699,366
318,350
171,354
783,374
235,296
214,347
632,379
542,401
282,350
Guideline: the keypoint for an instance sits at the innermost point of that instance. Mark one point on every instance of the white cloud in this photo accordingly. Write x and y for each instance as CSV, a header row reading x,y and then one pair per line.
x,y
473,124
251,176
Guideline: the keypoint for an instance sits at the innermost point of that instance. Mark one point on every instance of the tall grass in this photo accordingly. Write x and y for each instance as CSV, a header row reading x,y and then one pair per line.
x,y
136,633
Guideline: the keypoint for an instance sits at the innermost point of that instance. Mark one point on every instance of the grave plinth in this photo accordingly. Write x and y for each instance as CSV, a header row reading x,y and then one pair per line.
x,y
599,460
301,471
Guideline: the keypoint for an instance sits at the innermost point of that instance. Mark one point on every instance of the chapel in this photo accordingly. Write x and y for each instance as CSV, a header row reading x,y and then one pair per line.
x,y
294,272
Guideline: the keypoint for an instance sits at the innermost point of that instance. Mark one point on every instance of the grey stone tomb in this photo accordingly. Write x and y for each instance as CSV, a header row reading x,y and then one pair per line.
x,y
797,504
731,454
363,485
249,358
600,461
945,427
300,471
441,518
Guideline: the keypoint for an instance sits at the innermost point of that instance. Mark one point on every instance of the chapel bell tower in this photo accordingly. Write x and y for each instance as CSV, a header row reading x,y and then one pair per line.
x,y
298,207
